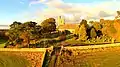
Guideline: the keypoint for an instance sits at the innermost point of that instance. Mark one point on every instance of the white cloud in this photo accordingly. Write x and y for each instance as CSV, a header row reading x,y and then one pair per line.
x,y
75,11
32,2
21,2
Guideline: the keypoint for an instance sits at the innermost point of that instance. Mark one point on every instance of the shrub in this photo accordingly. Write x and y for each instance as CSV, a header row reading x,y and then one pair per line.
x,y
67,32
70,36
45,43
62,38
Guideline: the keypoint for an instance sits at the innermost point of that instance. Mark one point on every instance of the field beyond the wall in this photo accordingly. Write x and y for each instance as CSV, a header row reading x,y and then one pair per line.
x,y
94,57
22,57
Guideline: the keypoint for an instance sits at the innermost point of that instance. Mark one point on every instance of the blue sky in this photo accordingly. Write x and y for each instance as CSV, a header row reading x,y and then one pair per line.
x,y
82,1
11,10
24,10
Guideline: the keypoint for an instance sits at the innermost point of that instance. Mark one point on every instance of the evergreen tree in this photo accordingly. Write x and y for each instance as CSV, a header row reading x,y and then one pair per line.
x,y
77,30
49,25
82,33
93,33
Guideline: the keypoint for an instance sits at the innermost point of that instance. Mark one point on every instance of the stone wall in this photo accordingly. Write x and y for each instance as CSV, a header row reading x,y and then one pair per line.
x,y
94,46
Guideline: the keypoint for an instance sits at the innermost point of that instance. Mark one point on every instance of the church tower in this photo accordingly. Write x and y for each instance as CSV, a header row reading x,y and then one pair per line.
x,y
61,21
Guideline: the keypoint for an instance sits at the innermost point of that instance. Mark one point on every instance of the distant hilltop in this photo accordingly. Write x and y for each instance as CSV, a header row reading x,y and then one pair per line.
x,y
4,27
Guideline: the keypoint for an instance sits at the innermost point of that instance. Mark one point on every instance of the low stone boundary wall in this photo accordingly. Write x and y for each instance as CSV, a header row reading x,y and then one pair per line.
x,y
94,46
43,50
23,49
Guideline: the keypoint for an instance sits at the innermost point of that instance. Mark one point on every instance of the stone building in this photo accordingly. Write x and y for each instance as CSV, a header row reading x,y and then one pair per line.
x,y
62,25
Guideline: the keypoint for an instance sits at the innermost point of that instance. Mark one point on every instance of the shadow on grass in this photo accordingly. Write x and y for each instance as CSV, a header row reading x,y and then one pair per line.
x,y
46,60
2,42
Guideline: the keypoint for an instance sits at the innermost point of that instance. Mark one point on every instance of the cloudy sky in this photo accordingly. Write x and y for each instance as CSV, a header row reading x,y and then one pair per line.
x,y
71,10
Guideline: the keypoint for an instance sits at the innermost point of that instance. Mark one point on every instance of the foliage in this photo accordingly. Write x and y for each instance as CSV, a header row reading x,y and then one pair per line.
x,y
62,37
85,23
66,32
29,33
93,33
82,33
118,15
77,30
97,26
69,36
49,25
81,30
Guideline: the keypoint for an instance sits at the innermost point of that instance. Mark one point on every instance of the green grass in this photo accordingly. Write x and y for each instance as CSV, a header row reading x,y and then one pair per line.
x,y
9,60
2,42
2,45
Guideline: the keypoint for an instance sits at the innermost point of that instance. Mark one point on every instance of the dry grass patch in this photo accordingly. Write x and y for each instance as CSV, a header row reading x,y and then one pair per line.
x,y
102,57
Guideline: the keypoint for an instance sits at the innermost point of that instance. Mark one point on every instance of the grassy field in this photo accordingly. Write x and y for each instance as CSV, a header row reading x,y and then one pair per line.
x,y
2,45
102,59
2,42
9,60
107,57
